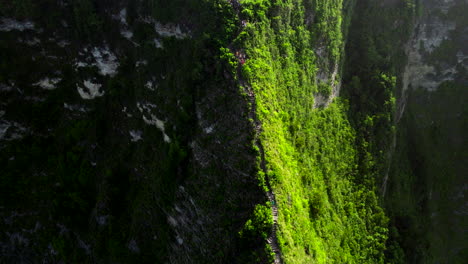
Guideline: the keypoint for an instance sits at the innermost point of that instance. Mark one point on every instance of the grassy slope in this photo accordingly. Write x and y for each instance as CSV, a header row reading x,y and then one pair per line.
x,y
328,210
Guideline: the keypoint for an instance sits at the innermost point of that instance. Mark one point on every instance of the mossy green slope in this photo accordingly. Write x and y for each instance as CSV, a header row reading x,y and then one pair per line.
x,y
328,211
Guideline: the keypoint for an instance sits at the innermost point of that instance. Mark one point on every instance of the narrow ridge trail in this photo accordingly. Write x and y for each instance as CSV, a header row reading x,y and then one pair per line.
x,y
272,239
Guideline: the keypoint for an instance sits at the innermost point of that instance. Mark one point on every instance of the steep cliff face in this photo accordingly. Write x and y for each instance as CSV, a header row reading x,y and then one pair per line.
x,y
427,181
123,136
433,29
214,131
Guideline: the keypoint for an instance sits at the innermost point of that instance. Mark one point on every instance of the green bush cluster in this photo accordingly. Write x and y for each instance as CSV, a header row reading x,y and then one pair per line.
x,y
259,225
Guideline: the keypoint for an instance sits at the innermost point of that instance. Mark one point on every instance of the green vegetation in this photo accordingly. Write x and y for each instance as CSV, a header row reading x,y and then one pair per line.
x,y
237,97
422,167
254,233
427,175
321,170
372,66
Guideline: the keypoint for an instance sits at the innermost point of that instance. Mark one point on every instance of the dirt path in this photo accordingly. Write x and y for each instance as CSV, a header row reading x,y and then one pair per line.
x,y
272,239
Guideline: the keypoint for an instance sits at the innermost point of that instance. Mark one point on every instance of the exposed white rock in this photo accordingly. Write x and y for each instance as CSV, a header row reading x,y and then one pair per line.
x,y
159,124
141,63
124,110
462,59
79,108
204,124
90,91
151,85
172,221
434,33
445,5
152,120
209,130
334,81
81,64
461,56
63,43
123,16
158,44
47,83
8,24
52,57
170,30
180,240
84,246
5,88
430,34
136,135
126,33
167,30
145,106
33,42
106,61
11,130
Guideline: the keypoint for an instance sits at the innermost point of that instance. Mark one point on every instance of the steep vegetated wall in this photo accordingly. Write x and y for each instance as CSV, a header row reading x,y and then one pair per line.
x,y
215,131
327,208
426,194
422,44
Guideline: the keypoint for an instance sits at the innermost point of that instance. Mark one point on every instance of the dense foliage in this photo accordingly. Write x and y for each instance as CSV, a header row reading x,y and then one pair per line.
x,y
323,180
265,75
